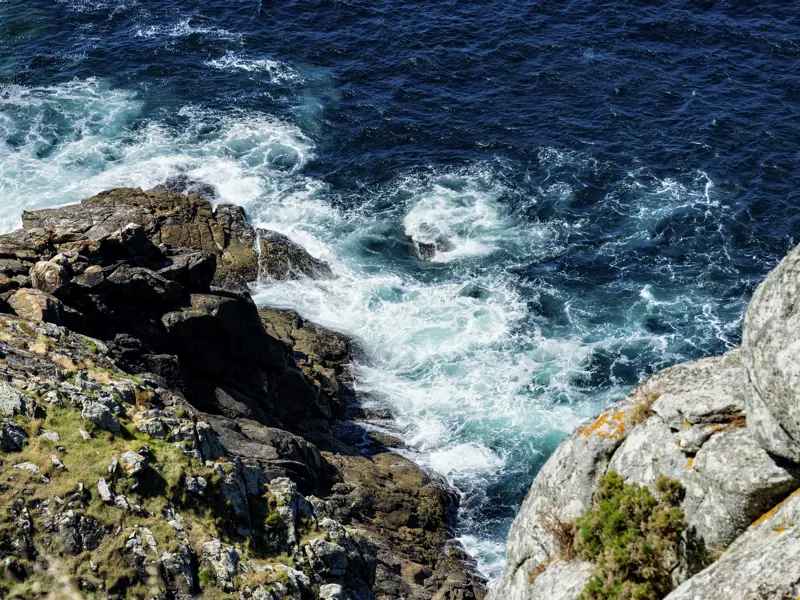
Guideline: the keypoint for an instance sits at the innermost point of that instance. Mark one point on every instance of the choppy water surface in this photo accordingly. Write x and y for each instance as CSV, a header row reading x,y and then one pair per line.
x,y
613,177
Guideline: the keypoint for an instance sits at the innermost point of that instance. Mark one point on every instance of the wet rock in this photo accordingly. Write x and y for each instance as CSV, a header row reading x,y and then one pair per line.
x,y
282,259
12,437
36,305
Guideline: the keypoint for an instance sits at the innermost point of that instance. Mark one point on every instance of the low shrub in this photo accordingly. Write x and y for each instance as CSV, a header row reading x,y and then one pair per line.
x,y
633,539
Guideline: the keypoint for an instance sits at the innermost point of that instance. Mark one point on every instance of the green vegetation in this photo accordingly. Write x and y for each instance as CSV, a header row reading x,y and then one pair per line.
x,y
633,539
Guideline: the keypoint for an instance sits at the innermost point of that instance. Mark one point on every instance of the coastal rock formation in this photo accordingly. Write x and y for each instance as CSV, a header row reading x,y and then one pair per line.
x,y
725,429
163,438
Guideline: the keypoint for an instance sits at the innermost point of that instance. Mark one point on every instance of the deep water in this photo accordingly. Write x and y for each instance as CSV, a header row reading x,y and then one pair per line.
x,y
614,178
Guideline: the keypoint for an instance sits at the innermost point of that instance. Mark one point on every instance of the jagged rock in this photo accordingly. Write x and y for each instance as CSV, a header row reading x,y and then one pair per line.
x,y
132,463
36,305
771,347
136,555
13,402
140,285
179,573
326,557
49,277
79,532
101,416
192,270
104,491
281,259
57,464
234,491
762,564
155,428
223,561
196,485
12,437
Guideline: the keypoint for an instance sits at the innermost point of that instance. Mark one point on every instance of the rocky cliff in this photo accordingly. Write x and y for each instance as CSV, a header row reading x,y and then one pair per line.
x,y
160,437
726,432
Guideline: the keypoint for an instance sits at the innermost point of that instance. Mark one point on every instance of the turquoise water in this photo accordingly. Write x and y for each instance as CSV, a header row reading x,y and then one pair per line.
x,y
612,178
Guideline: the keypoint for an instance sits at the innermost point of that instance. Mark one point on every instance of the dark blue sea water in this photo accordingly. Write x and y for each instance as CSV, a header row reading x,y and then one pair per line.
x,y
613,178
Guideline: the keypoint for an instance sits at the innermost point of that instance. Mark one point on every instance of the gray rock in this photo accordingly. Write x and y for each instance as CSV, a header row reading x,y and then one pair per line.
x,y
50,435
771,348
79,532
13,402
762,564
711,390
29,467
223,561
234,491
84,434
132,463
179,572
331,591
327,557
559,581
196,485
101,416
57,463
155,428
12,437
104,491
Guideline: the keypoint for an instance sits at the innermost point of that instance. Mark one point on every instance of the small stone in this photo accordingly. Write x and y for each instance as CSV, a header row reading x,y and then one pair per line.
x,y
132,463
122,502
84,434
57,463
331,591
50,435
106,495
114,466
29,467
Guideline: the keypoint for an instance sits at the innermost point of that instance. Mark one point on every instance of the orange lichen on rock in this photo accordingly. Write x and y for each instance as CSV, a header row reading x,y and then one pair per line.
x,y
689,462
607,426
774,509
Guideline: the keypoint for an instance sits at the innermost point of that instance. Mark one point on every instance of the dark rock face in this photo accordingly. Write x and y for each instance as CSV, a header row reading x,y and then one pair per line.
x,y
282,259
254,401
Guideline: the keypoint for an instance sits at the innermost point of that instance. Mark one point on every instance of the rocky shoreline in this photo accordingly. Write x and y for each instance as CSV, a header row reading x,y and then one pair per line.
x,y
162,437
725,431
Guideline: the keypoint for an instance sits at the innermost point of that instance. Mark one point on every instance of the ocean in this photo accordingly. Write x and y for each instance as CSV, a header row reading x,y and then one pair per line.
x,y
607,181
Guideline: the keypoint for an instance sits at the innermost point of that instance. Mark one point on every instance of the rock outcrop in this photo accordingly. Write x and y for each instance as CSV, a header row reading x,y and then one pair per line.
x,y
163,438
727,428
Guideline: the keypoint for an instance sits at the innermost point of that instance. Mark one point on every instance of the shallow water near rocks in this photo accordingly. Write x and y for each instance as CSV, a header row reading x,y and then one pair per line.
x,y
611,179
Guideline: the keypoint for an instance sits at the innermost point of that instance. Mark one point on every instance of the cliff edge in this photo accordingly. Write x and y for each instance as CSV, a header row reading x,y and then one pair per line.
x,y
160,437
725,432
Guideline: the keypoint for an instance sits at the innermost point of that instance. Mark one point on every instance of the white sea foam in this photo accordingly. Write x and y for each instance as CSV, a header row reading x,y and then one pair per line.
x,y
479,386
276,71
68,141
184,28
